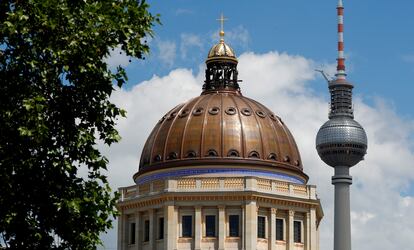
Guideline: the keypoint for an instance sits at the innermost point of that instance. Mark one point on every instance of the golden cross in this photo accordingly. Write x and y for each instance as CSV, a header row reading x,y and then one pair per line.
x,y
222,19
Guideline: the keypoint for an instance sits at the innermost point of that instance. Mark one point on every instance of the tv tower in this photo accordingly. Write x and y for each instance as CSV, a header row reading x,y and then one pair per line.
x,y
341,142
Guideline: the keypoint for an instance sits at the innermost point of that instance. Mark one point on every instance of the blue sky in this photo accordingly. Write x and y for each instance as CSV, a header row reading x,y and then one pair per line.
x,y
279,44
378,38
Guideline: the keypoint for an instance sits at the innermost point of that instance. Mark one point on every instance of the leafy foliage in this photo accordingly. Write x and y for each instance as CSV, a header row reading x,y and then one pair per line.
x,y
54,107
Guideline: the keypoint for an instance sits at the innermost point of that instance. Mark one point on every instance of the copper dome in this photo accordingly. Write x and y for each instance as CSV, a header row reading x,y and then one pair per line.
x,y
221,128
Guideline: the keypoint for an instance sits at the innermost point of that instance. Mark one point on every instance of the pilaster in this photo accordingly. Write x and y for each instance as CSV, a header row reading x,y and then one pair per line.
x,y
170,227
308,230
197,230
222,228
290,240
151,243
121,232
313,230
272,225
137,230
251,225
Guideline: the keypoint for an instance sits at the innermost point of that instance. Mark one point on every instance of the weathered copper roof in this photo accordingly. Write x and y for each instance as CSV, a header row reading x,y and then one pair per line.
x,y
220,127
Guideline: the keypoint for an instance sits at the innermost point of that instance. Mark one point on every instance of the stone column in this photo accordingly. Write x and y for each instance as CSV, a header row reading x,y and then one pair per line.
x,y
251,225
272,225
137,230
122,232
243,227
151,243
197,230
222,227
290,240
314,237
308,230
170,227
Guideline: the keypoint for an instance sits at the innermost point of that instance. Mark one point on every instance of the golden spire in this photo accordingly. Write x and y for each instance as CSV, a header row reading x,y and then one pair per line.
x,y
222,19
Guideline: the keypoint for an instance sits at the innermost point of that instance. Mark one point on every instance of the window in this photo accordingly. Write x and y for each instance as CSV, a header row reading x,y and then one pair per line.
x,y
297,231
146,230
161,228
261,227
187,226
279,229
234,225
210,226
132,233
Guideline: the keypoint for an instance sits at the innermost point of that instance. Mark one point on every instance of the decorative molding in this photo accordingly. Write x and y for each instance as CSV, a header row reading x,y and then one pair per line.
x,y
242,197
291,213
188,171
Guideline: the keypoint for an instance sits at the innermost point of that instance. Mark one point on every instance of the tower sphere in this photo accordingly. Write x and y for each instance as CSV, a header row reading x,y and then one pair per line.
x,y
341,141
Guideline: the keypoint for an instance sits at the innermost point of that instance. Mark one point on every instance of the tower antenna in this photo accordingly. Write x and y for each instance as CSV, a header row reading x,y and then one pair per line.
x,y
340,68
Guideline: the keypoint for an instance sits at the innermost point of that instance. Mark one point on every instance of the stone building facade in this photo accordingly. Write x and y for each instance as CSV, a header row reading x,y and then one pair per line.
x,y
220,171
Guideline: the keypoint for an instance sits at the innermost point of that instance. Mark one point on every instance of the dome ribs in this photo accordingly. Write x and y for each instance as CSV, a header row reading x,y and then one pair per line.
x,y
272,134
242,151
188,119
157,147
232,136
251,133
211,136
285,141
193,131
259,125
175,133
295,153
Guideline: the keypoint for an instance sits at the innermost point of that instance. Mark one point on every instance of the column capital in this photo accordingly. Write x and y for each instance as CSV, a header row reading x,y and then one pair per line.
x,y
273,210
291,213
221,207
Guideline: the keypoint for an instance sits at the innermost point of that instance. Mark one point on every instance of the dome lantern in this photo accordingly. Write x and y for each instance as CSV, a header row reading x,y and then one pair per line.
x,y
221,72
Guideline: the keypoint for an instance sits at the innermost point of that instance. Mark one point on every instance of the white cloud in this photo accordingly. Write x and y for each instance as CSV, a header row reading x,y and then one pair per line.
x,y
117,58
408,58
181,11
190,43
382,217
167,52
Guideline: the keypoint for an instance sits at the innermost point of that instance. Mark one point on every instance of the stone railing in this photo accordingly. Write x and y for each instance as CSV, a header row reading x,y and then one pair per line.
x,y
219,184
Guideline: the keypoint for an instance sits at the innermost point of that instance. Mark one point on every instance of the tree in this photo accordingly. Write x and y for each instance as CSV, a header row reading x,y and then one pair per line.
x,y
54,108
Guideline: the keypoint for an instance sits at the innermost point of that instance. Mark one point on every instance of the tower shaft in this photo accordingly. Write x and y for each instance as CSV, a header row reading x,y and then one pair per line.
x,y
342,220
